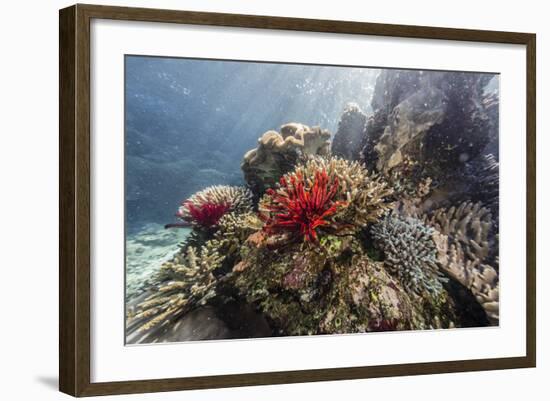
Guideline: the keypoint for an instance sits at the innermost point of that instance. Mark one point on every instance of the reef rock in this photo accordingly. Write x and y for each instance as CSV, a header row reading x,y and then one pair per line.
x,y
278,152
441,120
347,140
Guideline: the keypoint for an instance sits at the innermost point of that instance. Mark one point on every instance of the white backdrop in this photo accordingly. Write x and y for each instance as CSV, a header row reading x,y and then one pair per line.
x,y
28,207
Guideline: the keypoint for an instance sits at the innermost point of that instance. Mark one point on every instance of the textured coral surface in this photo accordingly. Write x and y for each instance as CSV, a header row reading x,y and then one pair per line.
x,y
396,229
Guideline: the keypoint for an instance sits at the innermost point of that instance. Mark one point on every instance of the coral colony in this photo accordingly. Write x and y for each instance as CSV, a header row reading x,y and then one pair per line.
x,y
300,210
369,232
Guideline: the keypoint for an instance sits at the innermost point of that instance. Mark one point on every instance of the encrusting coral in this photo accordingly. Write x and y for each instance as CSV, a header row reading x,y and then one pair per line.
x,y
410,253
205,208
466,252
331,287
278,152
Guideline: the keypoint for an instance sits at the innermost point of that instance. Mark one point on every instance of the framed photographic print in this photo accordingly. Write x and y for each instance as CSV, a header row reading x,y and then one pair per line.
x,y
250,200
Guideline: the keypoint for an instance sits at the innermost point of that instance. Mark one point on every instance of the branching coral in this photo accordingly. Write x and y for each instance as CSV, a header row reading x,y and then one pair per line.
x,y
466,252
205,208
233,230
410,253
181,285
331,195
278,153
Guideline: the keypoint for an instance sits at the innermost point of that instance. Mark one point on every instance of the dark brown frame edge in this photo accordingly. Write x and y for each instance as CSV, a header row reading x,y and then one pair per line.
x,y
74,199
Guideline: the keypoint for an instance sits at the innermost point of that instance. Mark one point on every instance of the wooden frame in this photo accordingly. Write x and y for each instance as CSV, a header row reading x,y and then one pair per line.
x,y
74,202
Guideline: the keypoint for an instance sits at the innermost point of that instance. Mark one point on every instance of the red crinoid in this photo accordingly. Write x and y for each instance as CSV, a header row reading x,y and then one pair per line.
x,y
299,209
206,214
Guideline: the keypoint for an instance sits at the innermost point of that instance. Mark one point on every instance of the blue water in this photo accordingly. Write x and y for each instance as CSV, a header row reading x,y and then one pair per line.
x,y
189,122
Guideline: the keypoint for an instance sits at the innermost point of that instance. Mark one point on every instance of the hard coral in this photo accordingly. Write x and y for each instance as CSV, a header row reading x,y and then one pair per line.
x,y
181,285
279,152
464,244
204,209
301,207
410,253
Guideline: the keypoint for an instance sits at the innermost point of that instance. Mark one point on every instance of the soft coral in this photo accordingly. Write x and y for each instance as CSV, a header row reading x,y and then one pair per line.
x,y
207,214
301,209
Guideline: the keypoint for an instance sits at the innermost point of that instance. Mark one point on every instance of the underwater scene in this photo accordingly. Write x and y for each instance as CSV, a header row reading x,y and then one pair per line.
x,y
273,199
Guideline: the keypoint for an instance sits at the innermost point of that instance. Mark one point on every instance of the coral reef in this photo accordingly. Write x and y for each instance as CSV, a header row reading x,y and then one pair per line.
x,y
410,253
181,285
467,253
205,208
360,240
349,135
278,152
329,288
328,194
233,230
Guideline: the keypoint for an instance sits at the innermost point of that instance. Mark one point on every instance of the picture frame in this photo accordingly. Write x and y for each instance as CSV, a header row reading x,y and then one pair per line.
x,y
76,199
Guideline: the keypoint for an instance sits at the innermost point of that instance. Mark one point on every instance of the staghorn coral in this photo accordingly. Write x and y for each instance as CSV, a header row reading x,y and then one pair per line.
x,y
181,285
466,252
205,208
278,153
359,197
410,253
